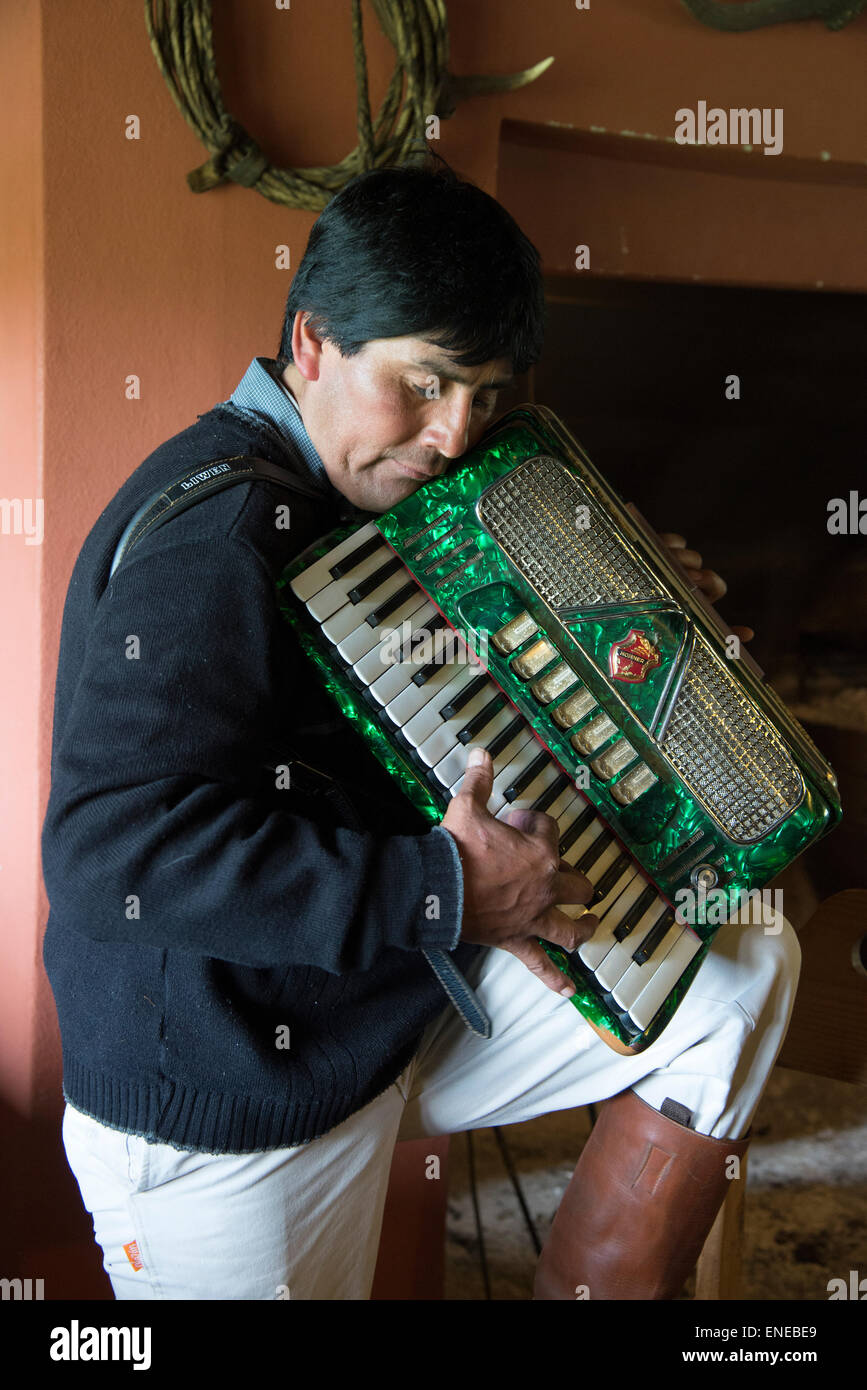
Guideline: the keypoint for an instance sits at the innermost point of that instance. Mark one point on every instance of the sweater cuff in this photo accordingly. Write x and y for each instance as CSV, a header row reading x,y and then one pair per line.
x,y
442,905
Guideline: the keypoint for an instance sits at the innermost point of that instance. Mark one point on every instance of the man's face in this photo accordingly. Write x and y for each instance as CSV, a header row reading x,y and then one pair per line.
x,y
389,419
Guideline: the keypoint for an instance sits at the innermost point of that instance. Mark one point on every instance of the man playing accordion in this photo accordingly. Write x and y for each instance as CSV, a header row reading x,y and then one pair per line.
x,y
238,891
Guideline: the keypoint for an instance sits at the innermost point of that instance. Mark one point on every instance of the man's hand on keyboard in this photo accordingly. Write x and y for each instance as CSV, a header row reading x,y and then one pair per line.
x,y
514,879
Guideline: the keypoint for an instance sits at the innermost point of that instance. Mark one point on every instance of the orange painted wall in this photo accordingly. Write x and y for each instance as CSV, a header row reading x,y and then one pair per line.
x,y
111,267
21,565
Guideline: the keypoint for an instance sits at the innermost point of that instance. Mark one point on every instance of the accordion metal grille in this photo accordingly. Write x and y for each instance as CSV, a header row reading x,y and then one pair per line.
x,y
541,513
560,538
727,753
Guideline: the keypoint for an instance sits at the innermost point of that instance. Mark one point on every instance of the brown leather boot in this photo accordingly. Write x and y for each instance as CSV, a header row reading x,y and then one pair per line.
x,y
638,1207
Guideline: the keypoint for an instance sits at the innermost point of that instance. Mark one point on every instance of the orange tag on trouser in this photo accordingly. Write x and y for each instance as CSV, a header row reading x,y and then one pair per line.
x,y
133,1255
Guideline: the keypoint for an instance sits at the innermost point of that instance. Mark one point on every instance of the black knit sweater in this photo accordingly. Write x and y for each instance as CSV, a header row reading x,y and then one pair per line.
x,y
198,911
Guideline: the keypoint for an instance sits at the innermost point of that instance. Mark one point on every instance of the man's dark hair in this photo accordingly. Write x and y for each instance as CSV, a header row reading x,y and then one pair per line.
x,y
416,252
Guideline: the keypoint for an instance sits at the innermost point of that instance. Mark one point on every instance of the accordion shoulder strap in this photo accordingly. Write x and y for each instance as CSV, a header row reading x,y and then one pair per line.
x,y
463,998
199,482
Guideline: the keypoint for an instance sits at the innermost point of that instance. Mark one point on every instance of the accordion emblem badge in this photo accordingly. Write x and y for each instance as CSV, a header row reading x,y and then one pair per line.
x,y
632,658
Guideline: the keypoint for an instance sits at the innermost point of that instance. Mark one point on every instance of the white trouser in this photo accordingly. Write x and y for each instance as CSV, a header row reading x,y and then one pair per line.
x,y
304,1222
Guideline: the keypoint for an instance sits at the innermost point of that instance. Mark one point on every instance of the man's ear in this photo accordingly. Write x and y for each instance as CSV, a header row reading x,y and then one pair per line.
x,y
306,347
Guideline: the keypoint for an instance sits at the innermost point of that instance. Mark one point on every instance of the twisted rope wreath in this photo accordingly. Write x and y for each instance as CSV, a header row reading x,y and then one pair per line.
x,y
182,41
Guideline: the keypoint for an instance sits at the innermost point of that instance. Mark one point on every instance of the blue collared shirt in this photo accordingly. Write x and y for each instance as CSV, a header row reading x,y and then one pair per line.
x,y
265,398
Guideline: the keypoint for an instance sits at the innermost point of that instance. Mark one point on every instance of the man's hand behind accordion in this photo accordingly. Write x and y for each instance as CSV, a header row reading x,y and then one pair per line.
x,y
514,880
712,585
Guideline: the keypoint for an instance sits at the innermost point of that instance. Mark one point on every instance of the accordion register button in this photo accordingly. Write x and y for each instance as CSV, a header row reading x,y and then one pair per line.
x,y
594,734
573,709
534,659
557,682
507,638
613,760
633,785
